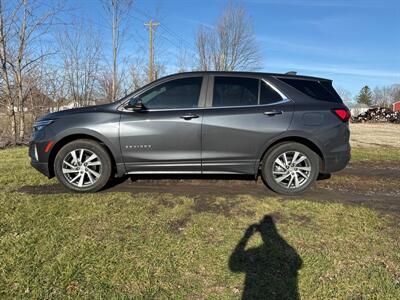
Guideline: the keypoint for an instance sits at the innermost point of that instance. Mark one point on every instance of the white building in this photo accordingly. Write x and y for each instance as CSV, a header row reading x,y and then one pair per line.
x,y
358,108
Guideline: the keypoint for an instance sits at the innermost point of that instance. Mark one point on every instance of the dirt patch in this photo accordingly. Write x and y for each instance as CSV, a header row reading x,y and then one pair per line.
x,y
177,225
50,189
378,135
301,219
385,169
358,184
212,205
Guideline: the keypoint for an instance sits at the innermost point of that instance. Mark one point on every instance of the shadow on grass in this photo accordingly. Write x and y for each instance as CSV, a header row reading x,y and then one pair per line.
x,y
271,269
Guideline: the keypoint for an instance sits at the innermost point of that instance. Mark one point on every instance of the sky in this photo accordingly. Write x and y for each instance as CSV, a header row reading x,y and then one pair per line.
x,y
352,42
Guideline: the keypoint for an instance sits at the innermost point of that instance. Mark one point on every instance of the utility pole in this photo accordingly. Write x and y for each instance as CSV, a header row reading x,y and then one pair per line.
x,y
151,25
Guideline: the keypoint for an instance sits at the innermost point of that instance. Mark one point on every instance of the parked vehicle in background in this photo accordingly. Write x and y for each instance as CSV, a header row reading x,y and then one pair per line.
x,y
286,128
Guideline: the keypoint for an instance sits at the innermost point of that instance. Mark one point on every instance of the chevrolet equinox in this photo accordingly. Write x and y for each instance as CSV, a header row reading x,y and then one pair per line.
x,y
285,127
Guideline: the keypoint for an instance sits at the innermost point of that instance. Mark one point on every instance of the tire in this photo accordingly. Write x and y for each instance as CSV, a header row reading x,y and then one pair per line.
x,y
89,171
280,176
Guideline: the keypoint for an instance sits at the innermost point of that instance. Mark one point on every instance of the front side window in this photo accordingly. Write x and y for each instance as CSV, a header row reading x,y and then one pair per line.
x,y
179,93
235,91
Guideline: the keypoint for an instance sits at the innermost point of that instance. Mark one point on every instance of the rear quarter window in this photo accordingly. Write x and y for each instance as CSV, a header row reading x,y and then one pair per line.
x,y
321,90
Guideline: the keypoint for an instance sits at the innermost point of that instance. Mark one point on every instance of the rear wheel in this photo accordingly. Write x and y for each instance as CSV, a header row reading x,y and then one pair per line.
x,y
83,166
290,168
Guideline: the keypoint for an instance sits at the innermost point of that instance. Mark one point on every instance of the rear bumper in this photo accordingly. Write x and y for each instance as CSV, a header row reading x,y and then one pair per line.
x,y
336,162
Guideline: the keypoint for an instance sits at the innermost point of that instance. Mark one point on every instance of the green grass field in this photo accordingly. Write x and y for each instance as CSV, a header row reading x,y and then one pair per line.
x,y
375,154
154,245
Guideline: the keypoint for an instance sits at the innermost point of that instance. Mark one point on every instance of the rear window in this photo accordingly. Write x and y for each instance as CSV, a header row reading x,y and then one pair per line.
x,y
321,90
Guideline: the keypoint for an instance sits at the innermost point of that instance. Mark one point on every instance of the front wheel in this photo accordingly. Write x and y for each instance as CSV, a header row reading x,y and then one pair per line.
x,y
290,168
83,166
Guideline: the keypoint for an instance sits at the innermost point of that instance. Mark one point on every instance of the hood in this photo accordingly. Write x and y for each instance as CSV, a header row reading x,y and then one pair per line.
x,y
62,113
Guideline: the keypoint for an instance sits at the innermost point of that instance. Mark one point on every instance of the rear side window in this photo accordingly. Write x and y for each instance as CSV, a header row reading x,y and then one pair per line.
x,y
268,95
321,90
235,91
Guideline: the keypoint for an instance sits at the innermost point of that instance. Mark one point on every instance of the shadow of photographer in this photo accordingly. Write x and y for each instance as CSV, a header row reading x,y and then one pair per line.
x,y
271,269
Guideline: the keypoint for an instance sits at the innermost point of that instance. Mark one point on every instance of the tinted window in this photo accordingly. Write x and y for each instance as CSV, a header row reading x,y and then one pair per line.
x,y
235,91
268,94
179,93
314,89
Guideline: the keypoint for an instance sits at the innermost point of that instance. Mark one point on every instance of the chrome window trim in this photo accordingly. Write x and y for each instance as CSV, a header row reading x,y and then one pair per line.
x,y
284,97
219,107
207,80
201,100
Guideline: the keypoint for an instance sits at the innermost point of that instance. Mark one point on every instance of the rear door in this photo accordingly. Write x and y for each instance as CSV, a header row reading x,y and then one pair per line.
x,y
242,115
166,136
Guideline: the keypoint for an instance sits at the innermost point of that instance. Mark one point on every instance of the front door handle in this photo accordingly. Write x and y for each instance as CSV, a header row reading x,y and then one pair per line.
x,y
189,116
273,112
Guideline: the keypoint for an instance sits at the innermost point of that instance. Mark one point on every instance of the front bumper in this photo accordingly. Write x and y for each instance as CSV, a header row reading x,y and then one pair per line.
x,y
39,162
41,167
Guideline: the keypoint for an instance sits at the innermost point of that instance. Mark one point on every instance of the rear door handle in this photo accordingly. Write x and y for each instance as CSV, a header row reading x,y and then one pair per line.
x,y
273,112
189,116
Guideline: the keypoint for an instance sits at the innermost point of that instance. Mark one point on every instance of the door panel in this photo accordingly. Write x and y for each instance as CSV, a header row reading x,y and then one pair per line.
x,y
233,136
161,141
165,136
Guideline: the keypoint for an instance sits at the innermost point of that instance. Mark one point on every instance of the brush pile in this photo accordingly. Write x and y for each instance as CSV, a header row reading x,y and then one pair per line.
x,y
377,115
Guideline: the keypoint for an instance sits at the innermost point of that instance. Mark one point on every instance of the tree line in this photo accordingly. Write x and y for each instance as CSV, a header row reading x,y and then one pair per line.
x,y
47,63
380,96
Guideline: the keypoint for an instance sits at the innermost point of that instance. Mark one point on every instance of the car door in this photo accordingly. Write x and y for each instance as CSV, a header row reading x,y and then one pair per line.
x,y
165,137
242,114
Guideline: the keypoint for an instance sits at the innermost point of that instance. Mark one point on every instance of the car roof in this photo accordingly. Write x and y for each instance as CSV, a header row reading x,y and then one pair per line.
x,y
240,73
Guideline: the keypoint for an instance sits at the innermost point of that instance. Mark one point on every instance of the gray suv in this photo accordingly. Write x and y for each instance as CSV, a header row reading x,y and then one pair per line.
x,y
285,127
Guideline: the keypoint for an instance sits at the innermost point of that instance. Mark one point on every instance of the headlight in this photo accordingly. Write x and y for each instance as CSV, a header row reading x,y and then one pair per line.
x,y
41,124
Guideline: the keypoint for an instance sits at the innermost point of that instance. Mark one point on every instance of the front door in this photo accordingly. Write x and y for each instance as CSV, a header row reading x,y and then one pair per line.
x,y
165,137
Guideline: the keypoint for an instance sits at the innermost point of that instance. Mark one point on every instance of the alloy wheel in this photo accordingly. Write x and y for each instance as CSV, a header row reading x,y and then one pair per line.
x,y
81,167
291,169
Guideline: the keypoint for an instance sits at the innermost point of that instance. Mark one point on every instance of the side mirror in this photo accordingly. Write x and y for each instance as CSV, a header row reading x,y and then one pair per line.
x,y
135,105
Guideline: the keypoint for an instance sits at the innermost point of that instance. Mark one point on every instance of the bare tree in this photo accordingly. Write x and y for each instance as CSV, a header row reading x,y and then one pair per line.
x,y
231,45
117,10
139,73
81,51
183,60
203,43
106,84
386,95
344,94
23,24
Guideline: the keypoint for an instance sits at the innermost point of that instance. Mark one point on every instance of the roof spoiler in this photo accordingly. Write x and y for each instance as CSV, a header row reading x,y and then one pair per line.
x,y
291,73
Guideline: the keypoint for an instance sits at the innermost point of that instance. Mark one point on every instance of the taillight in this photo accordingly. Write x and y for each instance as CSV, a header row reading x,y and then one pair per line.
x,y
343,114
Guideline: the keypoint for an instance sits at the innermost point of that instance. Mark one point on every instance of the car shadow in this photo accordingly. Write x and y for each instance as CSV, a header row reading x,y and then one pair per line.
x,y
271,269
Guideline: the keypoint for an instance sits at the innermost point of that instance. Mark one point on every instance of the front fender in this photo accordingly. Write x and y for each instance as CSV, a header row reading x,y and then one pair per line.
x,y
112,142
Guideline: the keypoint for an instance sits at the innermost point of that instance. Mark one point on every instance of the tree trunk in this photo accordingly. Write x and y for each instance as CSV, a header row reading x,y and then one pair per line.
x,y
22,125
13,124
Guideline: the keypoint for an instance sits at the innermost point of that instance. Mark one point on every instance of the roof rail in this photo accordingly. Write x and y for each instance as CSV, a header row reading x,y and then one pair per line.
x,y
291,73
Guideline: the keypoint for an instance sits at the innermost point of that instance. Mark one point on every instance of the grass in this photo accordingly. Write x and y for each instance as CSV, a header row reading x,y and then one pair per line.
x,y
375,154
155,245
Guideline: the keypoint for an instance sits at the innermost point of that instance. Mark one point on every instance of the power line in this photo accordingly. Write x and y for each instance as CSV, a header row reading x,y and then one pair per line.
x,y
168,30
